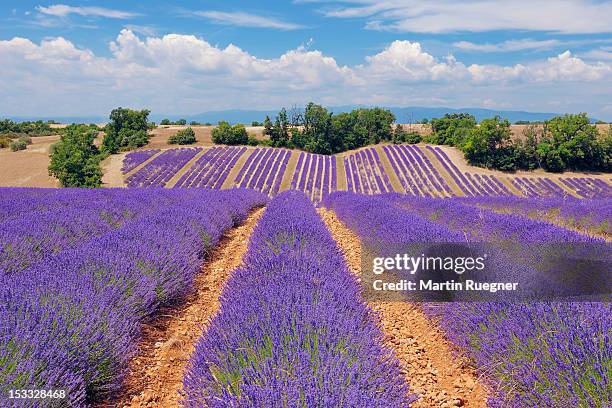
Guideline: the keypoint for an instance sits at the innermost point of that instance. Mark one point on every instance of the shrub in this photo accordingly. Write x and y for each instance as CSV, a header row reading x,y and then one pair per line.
x,y
165,122
413,137
26,139
256,123
224,133
252,141
75,160
401,136
19,144
4,142
183,137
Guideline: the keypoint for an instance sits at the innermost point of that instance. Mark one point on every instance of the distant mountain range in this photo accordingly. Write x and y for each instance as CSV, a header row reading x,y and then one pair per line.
x,y
411,114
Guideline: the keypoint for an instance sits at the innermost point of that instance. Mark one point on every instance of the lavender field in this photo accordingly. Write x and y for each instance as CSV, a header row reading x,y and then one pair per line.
x,y
81,270
418,170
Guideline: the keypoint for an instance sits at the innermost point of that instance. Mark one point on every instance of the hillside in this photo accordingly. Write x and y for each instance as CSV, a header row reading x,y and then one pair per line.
x,y
419,170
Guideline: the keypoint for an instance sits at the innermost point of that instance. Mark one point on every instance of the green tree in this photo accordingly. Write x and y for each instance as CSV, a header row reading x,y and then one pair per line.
x,y
126,130
575,140
452,128
317,131
183,137
75,160
224,133
527,149
268,127
280,132
489,145
165,122
181,122
399,134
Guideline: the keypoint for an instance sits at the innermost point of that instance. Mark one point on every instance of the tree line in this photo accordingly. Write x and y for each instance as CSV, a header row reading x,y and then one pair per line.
x,y
568,142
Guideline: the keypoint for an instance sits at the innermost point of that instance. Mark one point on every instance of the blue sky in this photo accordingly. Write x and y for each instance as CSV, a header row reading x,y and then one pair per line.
x,y
84,57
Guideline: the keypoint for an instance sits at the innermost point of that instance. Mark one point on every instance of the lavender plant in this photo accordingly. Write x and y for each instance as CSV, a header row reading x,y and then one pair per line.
x,y
71,320
292,330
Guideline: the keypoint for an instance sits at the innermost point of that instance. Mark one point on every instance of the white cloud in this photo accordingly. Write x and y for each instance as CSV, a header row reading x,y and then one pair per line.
x,y
62,10
423,16
186,74
242,19
508,46
603,53
141,29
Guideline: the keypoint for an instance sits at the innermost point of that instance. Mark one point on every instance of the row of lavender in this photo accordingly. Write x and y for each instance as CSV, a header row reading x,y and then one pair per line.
x,y
263,170
415,171
37,222
135,159
315,175
292,329
532,354
70,317
365,171
162,168
592,217
212,168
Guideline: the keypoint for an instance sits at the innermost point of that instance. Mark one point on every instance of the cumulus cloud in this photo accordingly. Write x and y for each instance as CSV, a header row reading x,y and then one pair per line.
x,y
185,73
62,10
570,16
242,19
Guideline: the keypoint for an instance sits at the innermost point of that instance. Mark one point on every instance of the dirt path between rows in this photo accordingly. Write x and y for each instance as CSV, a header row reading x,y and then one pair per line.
x,y
432,367
111,169
156,373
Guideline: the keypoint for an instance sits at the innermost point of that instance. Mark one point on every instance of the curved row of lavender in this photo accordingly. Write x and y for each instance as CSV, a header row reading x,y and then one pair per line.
x,y
71,321
365,173
135,159
416,173
588,187
589,216
471,185
162,168
532,354
292,329
315,175
212,168
263,170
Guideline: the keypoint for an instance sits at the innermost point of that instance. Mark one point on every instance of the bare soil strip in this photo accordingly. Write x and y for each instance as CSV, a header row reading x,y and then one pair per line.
x,y
289,171
341,183
156,373
177,176
507,181
388,168
231,176
433,367
111,169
